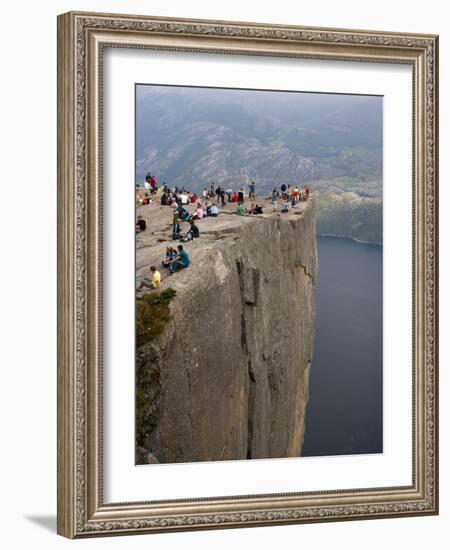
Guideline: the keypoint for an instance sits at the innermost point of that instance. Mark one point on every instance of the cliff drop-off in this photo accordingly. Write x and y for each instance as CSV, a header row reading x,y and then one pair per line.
x,y
228,376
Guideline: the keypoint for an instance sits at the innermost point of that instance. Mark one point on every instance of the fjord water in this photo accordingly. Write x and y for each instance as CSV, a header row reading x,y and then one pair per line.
x,y
344,413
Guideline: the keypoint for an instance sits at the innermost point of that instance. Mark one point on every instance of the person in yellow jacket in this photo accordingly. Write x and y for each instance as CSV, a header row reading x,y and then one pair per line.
x,y
154,282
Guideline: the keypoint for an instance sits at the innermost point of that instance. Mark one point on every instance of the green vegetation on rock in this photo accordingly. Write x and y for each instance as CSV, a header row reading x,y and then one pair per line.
x,y
152,315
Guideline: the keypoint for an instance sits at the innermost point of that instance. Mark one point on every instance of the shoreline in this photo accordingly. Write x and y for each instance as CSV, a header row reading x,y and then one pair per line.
x,y
348,237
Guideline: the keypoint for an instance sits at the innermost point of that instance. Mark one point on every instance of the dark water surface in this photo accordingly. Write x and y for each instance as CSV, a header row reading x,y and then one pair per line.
x,y
344,413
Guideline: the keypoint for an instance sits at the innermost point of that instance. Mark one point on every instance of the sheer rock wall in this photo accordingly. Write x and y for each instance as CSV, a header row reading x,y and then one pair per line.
x,y
229,376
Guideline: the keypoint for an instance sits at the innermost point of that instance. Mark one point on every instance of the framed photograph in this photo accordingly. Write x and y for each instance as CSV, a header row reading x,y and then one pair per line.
x,y
247,276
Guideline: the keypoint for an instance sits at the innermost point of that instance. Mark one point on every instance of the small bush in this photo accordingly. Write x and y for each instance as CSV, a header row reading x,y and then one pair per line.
x,y
152,315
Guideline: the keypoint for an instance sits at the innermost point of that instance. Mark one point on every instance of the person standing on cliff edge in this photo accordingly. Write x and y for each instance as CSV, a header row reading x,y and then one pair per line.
x,y
274,197
251,194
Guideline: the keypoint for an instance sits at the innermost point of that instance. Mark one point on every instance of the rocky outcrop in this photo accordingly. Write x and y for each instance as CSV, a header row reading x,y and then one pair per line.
x,y
228,378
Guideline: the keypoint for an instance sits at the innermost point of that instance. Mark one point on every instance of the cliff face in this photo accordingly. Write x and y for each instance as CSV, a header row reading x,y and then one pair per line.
x,y
228,378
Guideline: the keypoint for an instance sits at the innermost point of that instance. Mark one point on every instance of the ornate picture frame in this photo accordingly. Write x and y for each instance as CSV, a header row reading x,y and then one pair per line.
x,y
82,511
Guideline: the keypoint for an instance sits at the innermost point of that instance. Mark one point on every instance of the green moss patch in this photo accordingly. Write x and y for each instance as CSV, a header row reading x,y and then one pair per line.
x,y
152,315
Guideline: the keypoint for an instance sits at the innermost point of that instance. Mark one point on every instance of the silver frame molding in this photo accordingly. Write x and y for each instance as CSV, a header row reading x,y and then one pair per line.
x,y
81,39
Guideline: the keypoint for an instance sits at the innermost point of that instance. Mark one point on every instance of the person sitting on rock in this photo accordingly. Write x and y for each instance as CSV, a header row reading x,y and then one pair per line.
x,y
181,260
165,200
169,257
193,232
141,224
154,282
240,210
213,211
199,212
258,209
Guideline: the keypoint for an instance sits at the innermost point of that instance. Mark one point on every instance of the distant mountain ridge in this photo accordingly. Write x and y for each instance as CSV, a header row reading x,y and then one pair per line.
x,y
193,136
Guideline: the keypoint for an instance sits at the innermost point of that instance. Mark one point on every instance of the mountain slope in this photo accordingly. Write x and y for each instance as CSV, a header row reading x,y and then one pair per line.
x,y
192,136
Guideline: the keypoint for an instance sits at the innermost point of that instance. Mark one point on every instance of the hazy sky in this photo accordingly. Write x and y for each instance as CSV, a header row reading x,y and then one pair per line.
x,y
188,135
273,103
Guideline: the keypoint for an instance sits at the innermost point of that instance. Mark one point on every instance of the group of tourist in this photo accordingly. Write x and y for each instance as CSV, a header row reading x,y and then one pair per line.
x,y
180,214
294,194
222,195
177,196
291,197
150,190
174,260
168,196
151,183
254,209
206,205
